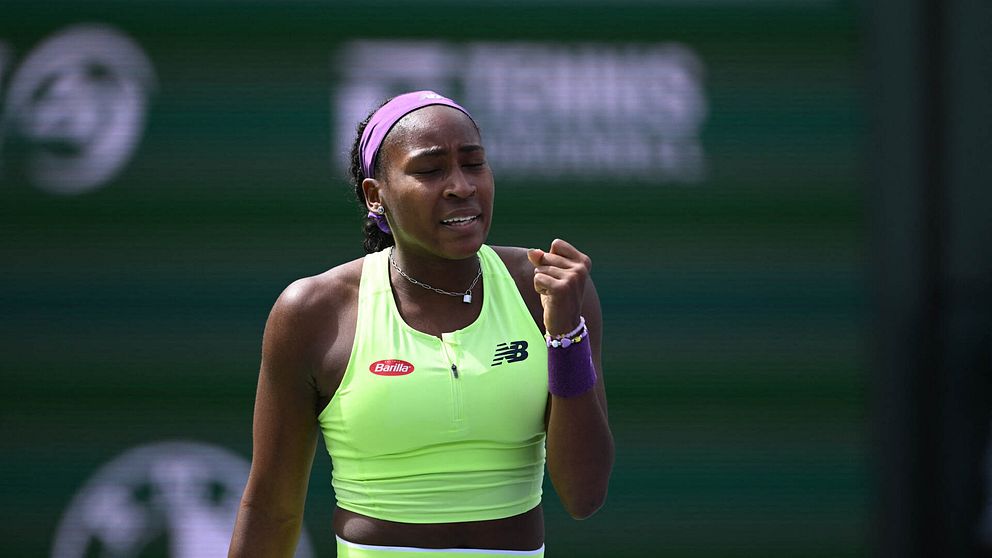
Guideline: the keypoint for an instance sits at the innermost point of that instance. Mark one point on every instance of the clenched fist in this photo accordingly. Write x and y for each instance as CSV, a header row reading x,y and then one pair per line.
x,y
560,276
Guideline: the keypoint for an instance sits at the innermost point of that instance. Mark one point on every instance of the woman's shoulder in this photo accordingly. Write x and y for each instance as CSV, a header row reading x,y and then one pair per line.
x,y
522,272
515,260
321,296
308,320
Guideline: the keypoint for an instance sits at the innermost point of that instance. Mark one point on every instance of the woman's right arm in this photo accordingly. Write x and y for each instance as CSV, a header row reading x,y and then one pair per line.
x,y
284,433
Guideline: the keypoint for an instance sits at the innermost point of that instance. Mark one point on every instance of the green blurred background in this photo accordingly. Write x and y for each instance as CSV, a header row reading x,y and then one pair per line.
x,y
733,296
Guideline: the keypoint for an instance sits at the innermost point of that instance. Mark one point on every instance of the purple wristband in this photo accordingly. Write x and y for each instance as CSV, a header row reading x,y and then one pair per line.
x,y
570,370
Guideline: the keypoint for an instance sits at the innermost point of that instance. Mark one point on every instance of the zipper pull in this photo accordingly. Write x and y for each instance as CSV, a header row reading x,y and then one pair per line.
x,y
454,370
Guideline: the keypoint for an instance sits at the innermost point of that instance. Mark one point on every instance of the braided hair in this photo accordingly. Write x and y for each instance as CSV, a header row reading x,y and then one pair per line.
x,y
375,240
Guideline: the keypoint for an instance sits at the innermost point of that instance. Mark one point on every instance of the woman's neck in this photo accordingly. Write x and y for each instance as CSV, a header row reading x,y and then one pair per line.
x,y
449,275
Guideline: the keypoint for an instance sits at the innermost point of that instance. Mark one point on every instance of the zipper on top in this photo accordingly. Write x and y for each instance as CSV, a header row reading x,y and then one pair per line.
x,y
456,389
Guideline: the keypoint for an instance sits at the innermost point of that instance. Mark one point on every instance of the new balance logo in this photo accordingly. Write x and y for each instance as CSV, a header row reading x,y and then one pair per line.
x,y
514,351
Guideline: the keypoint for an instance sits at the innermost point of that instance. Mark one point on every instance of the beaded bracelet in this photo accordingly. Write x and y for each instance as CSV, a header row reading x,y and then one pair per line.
x,y
565,340
578,328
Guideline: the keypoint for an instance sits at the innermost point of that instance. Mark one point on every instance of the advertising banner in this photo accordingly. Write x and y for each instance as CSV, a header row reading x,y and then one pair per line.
x,y
167,168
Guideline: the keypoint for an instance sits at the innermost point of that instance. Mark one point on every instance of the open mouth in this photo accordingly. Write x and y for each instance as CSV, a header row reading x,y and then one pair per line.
x,y
460,221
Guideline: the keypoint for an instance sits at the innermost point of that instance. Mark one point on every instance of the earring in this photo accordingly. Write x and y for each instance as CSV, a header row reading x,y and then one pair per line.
x,y
379,216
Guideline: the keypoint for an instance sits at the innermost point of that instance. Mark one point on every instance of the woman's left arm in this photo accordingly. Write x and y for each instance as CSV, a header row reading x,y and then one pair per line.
x,y
579,444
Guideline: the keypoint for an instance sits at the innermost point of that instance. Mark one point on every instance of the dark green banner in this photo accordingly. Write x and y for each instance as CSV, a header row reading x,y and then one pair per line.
x,y
167,168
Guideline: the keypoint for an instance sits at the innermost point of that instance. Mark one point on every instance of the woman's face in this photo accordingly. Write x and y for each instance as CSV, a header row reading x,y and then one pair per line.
x,y
435,183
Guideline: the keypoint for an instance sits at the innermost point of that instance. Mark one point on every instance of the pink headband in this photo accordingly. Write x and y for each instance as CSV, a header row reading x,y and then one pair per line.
x,y
388,115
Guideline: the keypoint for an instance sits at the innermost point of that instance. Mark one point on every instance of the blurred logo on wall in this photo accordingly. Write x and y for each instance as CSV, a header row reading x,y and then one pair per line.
x,y
176,499
75,109
546,110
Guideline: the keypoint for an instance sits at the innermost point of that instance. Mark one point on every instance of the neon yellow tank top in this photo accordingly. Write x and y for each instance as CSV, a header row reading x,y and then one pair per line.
x,y
413,440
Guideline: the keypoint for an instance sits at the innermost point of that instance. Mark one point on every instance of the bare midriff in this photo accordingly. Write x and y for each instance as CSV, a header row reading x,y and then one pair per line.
x,y
520,532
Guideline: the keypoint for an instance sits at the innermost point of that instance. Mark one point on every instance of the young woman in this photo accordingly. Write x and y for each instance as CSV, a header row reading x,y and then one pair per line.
x,y
441,372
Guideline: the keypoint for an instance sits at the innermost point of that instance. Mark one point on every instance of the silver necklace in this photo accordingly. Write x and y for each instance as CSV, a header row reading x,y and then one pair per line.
x,y
466,295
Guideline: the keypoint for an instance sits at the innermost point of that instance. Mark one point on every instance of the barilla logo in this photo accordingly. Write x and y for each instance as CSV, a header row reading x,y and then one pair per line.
x,y
391,367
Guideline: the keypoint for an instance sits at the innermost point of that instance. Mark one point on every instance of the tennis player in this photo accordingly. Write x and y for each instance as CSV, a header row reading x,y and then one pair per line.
x,y
441,372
